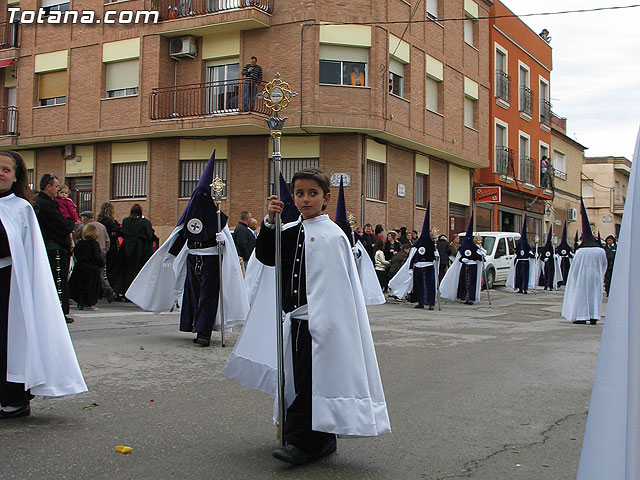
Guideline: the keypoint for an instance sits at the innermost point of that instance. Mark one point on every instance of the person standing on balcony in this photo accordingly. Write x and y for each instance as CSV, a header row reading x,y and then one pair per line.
x,y
252,73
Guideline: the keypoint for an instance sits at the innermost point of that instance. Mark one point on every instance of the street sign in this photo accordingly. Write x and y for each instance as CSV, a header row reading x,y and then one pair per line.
x,y
488,194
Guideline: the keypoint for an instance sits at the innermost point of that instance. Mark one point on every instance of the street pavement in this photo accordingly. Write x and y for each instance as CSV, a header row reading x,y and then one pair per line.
x,y
483,392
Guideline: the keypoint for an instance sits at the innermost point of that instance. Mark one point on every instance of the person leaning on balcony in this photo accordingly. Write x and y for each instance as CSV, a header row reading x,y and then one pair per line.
x,y
252,73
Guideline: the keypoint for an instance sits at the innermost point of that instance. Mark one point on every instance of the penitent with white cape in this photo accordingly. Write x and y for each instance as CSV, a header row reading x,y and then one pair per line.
x,y
611,448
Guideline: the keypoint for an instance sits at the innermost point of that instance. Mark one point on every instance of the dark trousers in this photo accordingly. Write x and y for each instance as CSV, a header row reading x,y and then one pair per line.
x,y
522,275
467,282
548,273
11,394
297,424
424,285
201,291
59,262
565,264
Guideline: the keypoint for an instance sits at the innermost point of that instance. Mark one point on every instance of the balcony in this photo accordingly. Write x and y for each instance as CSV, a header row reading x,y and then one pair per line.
x,y
503,86
504,160
8,121
9,35
174,9
526,100
545,113
201,99
527,169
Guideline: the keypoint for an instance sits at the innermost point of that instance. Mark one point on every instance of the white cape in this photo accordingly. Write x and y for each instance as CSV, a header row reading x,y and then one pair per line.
x,y
39,349
371,288
511,278
449,284
160,283
348,398
583,292
402,282
612,437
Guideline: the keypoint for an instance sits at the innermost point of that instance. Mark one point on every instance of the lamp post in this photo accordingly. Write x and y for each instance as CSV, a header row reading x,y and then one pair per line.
x,y
276,96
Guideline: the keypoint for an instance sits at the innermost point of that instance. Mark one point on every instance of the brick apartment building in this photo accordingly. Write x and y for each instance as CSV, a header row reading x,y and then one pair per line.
x,y
520,125
129,113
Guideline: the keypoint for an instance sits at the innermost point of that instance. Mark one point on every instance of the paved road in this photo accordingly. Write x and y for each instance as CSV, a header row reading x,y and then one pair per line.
x,y
482,392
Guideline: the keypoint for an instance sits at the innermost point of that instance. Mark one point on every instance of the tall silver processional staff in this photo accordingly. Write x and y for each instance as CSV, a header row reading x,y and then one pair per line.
x,y
217,188
277,95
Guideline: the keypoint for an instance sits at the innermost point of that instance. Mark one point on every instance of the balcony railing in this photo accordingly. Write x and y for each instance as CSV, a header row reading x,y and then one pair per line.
x,y
8,121
503,85
545,113
9,35
559,174
200,99
172,9
504,160
527,165
526,100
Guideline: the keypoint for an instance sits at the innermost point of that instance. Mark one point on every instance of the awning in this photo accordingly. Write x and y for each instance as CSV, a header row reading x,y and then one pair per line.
x,y
6,63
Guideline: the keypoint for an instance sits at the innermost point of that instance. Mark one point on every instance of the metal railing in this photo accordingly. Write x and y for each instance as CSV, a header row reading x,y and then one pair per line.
x,y
8,120
526,100
545,112
526,172
503,85
504,160
9,35
199,99
173,9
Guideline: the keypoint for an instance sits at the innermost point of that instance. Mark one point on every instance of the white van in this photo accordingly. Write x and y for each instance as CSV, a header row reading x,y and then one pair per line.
x,y
501,250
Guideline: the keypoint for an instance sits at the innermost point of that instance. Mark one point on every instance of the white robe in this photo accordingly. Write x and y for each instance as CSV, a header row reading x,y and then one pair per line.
x,y
39,349
371,288
533,273
348,398
612,437
449,284
402,282
160,283
583,293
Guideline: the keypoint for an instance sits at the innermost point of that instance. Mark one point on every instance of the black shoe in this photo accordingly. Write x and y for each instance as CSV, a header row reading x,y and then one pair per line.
x,y
110,295
581,322
430,307
68,319
291,454
593,322
202,340
525,292
23,411
469,302
419,306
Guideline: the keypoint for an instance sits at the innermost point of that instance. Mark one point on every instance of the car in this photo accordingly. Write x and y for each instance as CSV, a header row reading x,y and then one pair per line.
x,y
501,250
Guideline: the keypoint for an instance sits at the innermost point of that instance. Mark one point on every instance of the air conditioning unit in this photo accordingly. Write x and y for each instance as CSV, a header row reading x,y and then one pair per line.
x,y
182,47
573,214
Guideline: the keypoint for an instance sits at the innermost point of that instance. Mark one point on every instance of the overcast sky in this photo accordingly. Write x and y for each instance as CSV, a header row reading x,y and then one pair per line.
x,y
595,82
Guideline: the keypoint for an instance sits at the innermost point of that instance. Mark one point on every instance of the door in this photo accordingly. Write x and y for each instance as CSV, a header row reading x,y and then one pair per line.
x,y
501,260
222,88
81,192
10,126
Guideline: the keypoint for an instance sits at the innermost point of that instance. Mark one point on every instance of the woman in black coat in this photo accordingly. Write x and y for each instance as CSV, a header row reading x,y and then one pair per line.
x,y
114,231
136,248
85,286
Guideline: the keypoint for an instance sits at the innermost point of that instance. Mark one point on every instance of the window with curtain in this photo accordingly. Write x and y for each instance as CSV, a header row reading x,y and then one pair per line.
x,y
375,180
52,88
191,171
288,167
122,79
344,65
396,77
422,189
129,180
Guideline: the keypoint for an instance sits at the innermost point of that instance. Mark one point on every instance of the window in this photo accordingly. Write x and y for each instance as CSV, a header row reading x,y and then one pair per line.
x,y
470,31
587,188
344,65
396,77
223,86
545,105
559,161
433,94
469,112
526,95
525,160
288,167
191,171
31,177
503,80
122,79
375,180
55,5
544,151
422,189
432,9
130,180
52,88
502,151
